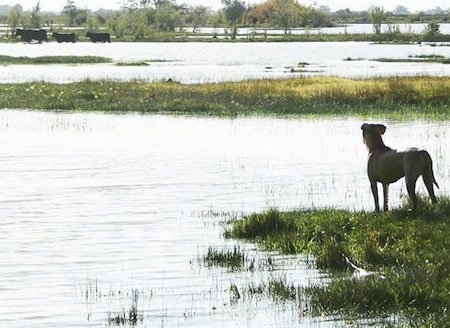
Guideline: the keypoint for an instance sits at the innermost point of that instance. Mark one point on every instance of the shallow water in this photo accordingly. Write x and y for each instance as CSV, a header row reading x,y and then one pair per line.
x,y
199,62
342,29
95,207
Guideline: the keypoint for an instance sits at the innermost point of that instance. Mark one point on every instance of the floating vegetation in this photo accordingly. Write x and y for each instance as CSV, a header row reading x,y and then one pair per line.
x,y
417,59
353,59
302,68
142,62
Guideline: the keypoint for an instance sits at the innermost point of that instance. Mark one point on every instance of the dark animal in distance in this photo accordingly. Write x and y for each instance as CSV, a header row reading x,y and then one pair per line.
x,y
29,35
387,165
64,37
98,37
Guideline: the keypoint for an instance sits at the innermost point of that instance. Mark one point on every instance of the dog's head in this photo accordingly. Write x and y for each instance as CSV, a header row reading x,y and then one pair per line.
x,y
372,132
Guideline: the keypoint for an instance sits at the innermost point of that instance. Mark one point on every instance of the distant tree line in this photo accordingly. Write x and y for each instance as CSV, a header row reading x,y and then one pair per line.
x,y
140,19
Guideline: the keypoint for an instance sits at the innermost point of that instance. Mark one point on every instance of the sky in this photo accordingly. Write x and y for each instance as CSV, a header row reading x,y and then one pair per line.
x,y
354,5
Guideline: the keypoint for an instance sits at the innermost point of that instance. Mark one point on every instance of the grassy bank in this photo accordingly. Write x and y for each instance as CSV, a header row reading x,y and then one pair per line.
x,y
397,98
71,60
408,251
44,60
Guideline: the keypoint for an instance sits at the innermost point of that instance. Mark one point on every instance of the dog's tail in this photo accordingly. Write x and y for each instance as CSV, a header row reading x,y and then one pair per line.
x,y
430,167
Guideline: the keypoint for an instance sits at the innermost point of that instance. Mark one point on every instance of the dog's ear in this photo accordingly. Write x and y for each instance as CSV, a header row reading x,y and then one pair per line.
x,y
381,128
364,126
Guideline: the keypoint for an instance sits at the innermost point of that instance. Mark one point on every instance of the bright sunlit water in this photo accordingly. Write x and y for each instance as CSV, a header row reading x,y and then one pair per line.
x,y
96,206
197,62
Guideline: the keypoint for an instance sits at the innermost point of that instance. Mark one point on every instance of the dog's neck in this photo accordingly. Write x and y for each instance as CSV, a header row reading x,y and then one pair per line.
x,y
374,143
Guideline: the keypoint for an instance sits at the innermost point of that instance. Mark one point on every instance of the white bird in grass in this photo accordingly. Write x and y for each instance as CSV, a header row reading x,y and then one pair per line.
x,y
360,273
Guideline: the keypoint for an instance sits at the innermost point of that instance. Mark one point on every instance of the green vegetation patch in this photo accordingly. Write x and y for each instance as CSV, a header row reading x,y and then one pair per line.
x,y
142,62
9,60
134,63
417,59
234,259
395,98
407,250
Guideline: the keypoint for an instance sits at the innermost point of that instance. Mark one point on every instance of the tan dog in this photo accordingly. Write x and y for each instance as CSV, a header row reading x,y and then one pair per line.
x,y
387,165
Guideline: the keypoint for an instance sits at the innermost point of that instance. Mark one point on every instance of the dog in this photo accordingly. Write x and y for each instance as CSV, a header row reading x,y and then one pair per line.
x,y
386,165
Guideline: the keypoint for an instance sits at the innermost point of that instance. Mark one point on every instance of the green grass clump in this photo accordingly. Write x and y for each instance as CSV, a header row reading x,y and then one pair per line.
x,y
233,259
395,98
410,249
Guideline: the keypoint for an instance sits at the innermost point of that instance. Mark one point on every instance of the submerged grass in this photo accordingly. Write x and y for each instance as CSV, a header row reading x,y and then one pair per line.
x,y
128,317
395,97
410,250
234,259
132,312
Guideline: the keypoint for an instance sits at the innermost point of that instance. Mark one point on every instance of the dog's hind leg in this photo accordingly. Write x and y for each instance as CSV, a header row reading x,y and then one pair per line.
x,y
411,188
414,168
385,196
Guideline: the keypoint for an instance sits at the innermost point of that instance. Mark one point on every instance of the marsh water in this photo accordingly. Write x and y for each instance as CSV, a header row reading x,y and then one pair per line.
x,y
103,211
197,62
99,208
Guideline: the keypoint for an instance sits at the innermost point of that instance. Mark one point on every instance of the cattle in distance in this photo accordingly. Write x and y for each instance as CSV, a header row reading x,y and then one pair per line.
x,y
99,37
64,37
28,36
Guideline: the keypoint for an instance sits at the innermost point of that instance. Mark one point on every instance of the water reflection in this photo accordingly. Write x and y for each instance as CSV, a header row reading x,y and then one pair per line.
x,y
342,29
95,206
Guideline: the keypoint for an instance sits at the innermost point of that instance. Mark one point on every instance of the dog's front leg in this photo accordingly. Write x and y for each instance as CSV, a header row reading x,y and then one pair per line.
x,y
373,186
385,196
